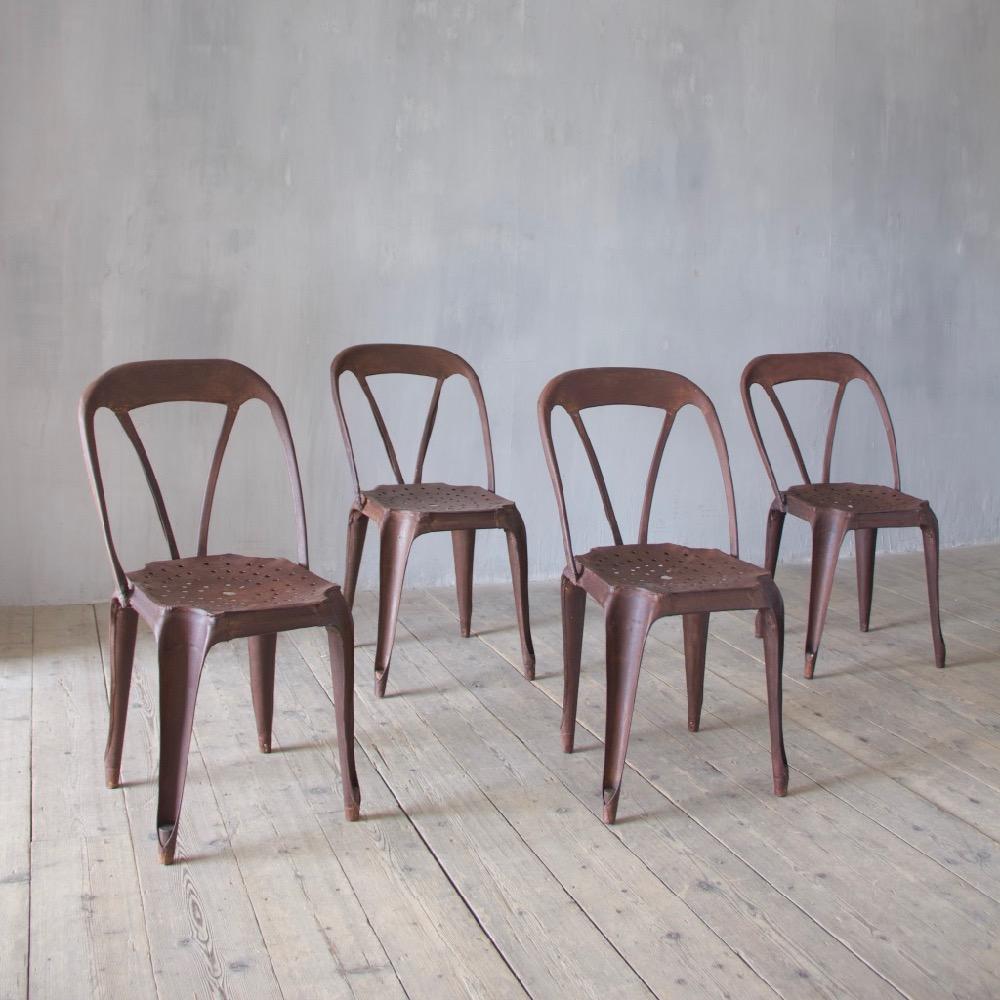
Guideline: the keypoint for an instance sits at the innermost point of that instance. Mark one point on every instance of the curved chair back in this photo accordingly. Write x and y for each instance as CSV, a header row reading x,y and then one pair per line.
x,y
143,383
770,370
365,360
585,388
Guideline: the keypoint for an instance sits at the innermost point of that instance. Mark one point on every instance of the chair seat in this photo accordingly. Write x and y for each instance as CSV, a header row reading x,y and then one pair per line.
x,y
855,498
436,498
222,584
671,569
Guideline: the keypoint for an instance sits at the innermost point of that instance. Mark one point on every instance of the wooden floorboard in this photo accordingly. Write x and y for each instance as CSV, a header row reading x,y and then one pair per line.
x,y
87,936
16,631
480,867
818,854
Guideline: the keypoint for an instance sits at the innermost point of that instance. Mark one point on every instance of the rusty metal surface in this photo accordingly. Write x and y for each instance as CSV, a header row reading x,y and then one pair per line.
x,y
636,584
833,509
193,603
407,510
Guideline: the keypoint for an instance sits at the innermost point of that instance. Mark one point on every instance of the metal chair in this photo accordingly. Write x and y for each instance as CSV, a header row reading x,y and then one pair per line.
x,y
406,510
637,584
193,603
833,509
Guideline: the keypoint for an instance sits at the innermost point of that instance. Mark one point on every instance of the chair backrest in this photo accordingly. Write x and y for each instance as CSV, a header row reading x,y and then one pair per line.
x,y
143,383
770,370
365,360
585,388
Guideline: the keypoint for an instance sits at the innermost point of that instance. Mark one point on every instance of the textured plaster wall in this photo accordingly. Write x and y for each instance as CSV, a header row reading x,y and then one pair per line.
x,y
539,185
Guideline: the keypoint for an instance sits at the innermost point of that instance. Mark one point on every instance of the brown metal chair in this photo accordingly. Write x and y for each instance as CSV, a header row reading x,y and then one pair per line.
x,y
193,603
637,584
833,509
405,510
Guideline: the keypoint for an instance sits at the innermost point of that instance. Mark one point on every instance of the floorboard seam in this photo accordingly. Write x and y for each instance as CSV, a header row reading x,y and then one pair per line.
x,y
982,732
615,833
764,878
31,802
872,767
811,690
520,837
637,771
421,838
344,872
950,612
239,867
128,817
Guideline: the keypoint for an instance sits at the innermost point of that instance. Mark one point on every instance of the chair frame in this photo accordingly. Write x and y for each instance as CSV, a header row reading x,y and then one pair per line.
x,y
184,634
629,611
830,525
399,528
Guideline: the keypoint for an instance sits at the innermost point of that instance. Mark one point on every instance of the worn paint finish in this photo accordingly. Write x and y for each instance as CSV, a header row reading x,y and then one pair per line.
x,y
537,186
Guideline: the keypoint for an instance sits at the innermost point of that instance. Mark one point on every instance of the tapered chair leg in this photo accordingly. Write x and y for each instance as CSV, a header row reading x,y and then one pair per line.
x,y
864,556
396,538
124,621
262,650
574,610
517,548
183,645
930,533
341,640
357,528
626,623
463,545
772,545
695,644
774,651
828,536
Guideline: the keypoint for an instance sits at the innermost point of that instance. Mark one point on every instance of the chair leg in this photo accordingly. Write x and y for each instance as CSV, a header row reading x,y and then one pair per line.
x,y
262,649
626,623
357,528
864,555
341,639
930,533
463,545
774,650
828,536
183,645
772,544
695,644
124,621
574,610
396,538
517,548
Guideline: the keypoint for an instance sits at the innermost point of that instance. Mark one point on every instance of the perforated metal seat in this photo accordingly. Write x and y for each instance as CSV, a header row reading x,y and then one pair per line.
x,y
222,584
436,498
671,569
855,498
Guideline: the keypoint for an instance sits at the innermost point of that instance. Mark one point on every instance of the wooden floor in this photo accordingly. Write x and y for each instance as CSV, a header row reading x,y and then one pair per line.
x,y
481,867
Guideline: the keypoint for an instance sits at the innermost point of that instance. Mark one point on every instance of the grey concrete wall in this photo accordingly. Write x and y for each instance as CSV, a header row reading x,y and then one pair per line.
x,y
539,185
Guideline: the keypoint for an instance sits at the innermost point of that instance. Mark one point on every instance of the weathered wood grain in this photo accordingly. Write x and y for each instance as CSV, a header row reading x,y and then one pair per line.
x,y
315,929
204,937
87,933
15,797
729,899
693,769
648,924
480,867
515,897
429,934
